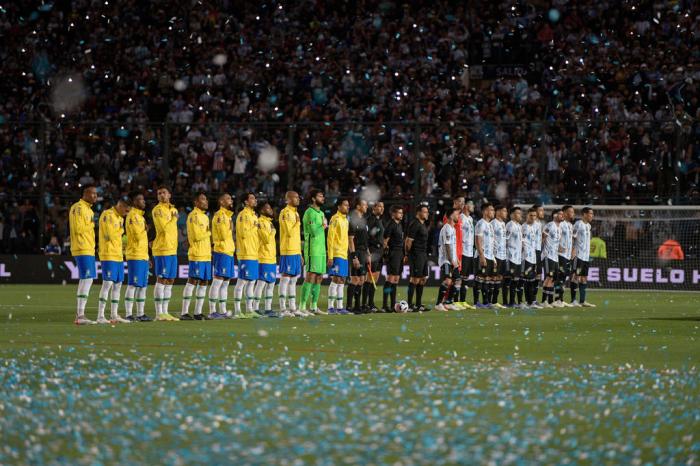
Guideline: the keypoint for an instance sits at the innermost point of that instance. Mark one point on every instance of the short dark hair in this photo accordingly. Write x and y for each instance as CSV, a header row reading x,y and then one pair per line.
x,y
314,192
358,201
485,206
341,200
261,206
222,195
536,206
421,206
166,187
197,194
395,208
500,206
532,209
586,210
134,195
123,200
567,207
88,186
514,209
555,211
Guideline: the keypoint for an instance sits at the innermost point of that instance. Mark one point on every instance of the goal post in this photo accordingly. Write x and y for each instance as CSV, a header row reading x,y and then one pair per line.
x,y
642,247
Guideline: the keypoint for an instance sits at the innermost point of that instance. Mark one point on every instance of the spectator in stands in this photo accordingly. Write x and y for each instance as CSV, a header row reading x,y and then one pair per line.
x,y
53,248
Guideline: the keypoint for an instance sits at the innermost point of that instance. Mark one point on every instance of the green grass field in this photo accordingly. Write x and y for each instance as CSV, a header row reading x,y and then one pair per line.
x,y
618,384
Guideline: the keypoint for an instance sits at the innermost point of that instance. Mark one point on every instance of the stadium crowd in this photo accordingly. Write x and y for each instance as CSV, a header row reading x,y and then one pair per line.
x,y
602,108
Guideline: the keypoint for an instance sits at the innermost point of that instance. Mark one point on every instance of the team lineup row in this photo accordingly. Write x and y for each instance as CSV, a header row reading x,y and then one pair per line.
x,y
354,244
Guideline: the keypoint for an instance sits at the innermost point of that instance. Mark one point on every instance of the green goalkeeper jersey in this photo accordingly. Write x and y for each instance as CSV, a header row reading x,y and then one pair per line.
x,y
314,235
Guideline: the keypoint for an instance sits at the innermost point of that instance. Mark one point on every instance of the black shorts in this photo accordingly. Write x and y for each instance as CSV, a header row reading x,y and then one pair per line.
x,y
361,271
418,264
501,267
551,268
529,271
394,262
564,267
447,271
538,264
513,270
376,257
488,270
469,266
580,268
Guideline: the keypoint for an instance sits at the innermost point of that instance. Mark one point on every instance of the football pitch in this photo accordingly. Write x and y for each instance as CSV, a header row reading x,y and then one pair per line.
x,y
618,384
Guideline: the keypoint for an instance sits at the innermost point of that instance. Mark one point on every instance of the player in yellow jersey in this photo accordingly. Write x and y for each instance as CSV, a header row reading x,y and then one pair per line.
x,y
267,256
199,254
82,246
290,253
136,259
247,244
222,257
338,257
112,256
164,252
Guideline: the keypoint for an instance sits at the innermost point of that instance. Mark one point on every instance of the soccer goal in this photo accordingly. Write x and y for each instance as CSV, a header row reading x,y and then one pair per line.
x,y
643,247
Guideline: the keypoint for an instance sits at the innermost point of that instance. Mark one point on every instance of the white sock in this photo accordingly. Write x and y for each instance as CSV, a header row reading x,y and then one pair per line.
x,y
158,297
129,299
331,295
292,293
167,294
104,298
214,294
269,293
187,297
116,296
259,290
82,296
199,303
238,295
250,295
140,301
283,293
223,297
339,287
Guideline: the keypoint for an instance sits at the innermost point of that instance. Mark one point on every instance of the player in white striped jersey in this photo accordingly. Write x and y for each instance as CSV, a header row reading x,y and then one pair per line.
x,y
565,250
512,282
447,259
499,232
485,245
551,237
582,254
470,262
539,225
531,236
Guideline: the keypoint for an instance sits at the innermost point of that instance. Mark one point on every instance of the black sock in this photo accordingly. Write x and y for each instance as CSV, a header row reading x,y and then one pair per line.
x,y
574,287
393,295
365,294
442,292
371,294
495,288
485,295
419,295
511,291
559,287
463,291
411,290
583,287
453,293
528,292
519,290
475,290
508,297
386,291
550,294
358,297
351,295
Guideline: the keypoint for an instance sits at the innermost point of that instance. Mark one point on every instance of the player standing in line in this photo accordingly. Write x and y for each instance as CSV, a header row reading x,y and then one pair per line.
x,y
551,237
136,259
530,234
539,224
164,250
315,224
582,251
469,261
112,256
248,244
375,224
222,257
358,245
416,251
393,247
447,258
199,255
485,245
499,231
290,254
566,246
451,302
82,247
338,257
513,283
267,255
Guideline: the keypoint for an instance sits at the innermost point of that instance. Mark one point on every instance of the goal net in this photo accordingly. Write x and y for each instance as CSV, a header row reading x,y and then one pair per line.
x,y
643,247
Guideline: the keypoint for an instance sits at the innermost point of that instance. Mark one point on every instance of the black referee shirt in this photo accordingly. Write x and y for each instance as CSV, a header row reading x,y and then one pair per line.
x,y
419,233
376,233
359,231
394,231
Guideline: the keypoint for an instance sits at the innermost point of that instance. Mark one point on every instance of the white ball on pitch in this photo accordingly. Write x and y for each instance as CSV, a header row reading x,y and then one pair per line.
x,y
401,307
268,159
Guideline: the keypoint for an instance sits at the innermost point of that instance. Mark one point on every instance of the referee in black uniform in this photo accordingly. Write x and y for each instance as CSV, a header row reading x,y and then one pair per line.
x,y
358,244
393,256
417,253
375,225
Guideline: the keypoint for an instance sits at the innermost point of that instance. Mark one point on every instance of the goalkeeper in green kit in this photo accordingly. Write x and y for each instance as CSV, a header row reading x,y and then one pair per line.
x,y
314,250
